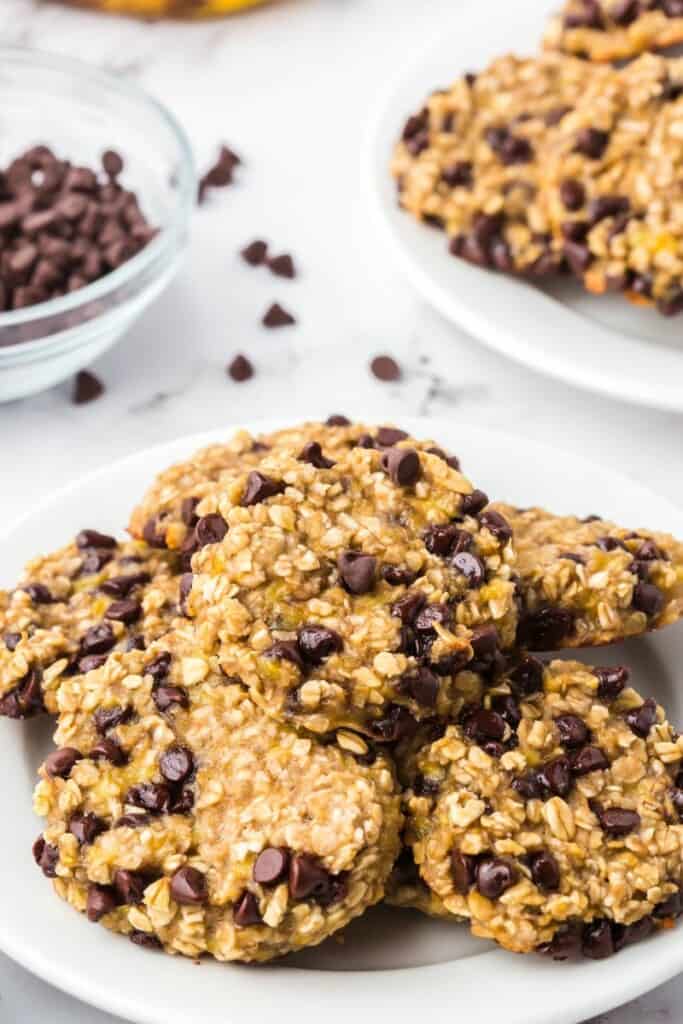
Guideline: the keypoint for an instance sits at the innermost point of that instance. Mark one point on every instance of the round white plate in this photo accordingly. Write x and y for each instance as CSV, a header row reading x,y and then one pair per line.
x,y
599,343
399,965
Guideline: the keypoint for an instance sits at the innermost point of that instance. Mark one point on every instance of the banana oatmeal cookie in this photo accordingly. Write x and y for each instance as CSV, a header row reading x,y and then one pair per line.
x,y
549,817
181,815
586,582
360,592
73,608
608,30
470,161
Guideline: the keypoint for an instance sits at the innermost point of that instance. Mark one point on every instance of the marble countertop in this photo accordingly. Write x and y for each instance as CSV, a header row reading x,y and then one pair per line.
x,y
265,84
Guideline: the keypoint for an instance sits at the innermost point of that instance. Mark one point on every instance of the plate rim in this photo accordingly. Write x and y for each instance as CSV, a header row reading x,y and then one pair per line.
x,y
454,980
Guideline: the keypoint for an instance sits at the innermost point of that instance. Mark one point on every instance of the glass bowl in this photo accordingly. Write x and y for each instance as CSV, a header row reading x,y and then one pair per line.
x,y
80,112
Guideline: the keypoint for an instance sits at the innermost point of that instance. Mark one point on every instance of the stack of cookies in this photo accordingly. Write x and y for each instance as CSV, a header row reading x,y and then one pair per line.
x,y
561,163
310,682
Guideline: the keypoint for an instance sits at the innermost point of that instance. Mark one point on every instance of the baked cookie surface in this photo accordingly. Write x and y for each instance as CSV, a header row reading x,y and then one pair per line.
x,y
609,30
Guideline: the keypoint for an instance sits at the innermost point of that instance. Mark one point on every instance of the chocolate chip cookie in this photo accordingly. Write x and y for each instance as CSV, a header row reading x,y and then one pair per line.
x,y
470,160
73,608
358,591
608,30
549,817
585,582
181,815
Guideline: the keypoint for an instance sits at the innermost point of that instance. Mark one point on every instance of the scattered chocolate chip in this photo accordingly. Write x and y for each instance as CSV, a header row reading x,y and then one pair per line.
x,y
255,254
402,465
176,764
573,731
508,709
578,256
357,571
121,586
588,759
426,618
471,567
313,454
220,174
246,911
546,629
271,866
260,487
317,643
623,12
611,681
648,598
276,316
618,821
607,206
473,503
450,460
240,369
463,871
87,387
91,662
545,871
154,534
86,827
497,525
282,266
385,368
495,876
671,305
127,611
101,900
59,763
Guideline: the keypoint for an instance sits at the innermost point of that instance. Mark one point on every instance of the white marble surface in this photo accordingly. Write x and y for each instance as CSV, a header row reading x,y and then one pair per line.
x,y
289,87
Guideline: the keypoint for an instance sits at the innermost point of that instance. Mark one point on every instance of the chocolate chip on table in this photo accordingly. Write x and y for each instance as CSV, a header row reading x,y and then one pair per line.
x,y
588,759
282,265
108,749
127,611
277,316
573,731
46,857
385,368
59,763
166,697
611,681
402,466
94,539
648,598
316,643
357,571
210,529
256,253
246,911
220,174
313,454
271,866
176,764
546,628
259,487
286,650
101,900
495,876
471,567
86,827
188,886
87,387
240,369
618,821
545,871
640,720
473,503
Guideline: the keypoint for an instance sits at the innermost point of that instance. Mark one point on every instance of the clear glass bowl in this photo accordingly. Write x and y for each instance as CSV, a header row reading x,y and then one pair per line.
x,y
80,112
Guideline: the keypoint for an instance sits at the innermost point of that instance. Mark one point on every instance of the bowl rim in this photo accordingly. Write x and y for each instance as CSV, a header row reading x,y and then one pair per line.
x,y
186,192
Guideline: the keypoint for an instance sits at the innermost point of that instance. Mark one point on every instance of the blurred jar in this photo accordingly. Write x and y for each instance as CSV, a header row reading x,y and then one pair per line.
x,y
168,8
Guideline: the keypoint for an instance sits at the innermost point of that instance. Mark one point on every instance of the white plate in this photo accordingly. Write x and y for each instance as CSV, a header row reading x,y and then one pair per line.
x,y
399,965
602,344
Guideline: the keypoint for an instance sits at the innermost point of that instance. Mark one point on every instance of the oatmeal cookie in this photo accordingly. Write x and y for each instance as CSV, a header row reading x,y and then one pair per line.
x,y
181,815
609,30
550,817
585,582
611,184
470,161
406,889
355,593
73,608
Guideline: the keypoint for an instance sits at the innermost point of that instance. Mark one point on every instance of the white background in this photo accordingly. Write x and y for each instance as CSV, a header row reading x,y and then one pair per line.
x,y
291,87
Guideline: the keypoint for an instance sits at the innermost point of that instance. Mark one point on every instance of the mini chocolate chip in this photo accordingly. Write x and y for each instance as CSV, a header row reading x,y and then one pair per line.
x,y
495,876
150,796
648,598
458,174
555,776
46,857
588,759
546,628
640,720
578,256
402,465
26,699
255,254
176,764
86,827
387,437
463,871
108,749
609,543
337,420
282,266
446,539
188,886
188,512
357,571
398,724
471,567
484,642
166,697
385,368
573,731
545,871
260,487
211,529
316,643
11,641
409,605
623,12
611,681
87,387
277,316
422,685
98,639
592,142
59,763
38,593
496,524
101,900
308,879
129,886
154,534
271,866
508,709
132,821
145,939
159,667
91,662
607,206
245,911
618,821
121,586
572,194
473,503
285,650
597,942
395,576
94,539
127,611
431,614
313,454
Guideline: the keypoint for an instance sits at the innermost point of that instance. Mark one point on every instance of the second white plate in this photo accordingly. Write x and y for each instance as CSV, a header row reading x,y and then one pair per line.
x,y
601,344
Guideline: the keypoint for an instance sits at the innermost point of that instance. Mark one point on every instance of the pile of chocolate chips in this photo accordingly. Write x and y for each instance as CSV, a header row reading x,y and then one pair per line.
x,y
63,226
